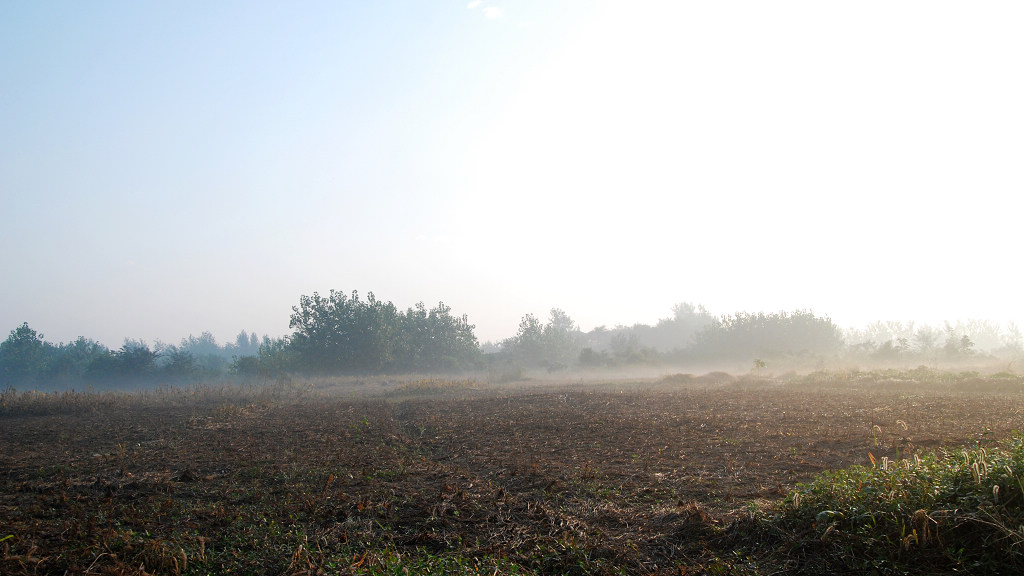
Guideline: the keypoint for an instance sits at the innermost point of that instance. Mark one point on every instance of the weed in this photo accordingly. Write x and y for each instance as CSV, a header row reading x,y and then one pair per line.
x,y
970,500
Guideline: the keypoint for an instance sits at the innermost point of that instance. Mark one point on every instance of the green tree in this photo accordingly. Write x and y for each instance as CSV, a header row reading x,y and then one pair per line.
x,y
342,333
527,346
245,366
181,366
70,362
103,369
560,341
377,335
134,363
23,357
554,345
435,340
136,360
245,345
275,357
326,331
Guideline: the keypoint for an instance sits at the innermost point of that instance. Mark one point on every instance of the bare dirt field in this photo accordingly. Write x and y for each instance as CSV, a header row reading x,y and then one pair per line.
x,y
629,477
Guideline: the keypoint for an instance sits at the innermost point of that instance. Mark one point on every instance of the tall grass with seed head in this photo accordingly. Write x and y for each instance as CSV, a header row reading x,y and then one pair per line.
x,y
954,509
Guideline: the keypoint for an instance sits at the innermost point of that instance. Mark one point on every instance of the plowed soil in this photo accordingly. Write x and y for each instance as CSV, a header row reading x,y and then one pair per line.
x,y
604,478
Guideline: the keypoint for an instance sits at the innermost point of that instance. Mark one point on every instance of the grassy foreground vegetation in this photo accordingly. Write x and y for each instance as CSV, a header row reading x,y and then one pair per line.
x,y
947,510
914,472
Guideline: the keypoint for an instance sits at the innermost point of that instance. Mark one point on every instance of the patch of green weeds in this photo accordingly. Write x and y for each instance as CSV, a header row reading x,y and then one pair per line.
x,y
394,563
950,510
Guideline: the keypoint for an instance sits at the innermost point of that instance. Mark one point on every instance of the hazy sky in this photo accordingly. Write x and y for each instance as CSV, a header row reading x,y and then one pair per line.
x,y
173,167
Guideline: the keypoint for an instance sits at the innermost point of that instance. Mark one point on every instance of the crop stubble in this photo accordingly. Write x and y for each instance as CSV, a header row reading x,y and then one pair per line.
x,y
636,477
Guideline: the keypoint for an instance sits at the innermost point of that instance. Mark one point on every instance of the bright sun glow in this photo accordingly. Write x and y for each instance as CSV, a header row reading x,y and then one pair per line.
x,y
856,161
611,159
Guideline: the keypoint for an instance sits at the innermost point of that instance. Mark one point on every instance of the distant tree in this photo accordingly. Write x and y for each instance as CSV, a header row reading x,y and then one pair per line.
x,y
1012,341
181,366
275,357
203,345
589,358
958,346
598,339
245,366
136,360
377,328
343,333
759,365
560,341
245,344
325,331
987,336
627,348
134,363
208,357
23,357
890,351
527,346
435,340
925,340
104,369
677,332
966,345
745,336
70,362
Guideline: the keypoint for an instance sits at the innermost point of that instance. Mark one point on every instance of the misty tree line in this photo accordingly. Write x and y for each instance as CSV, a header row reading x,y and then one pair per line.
x,y
691,335
345,334
27,360
695,336
334,334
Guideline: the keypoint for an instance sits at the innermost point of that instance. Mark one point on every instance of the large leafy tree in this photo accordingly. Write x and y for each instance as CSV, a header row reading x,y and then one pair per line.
x,y
206,356
136,359
527,346
133,363
342,333
746,336
436,339
69,362
554,345
23,357
561,340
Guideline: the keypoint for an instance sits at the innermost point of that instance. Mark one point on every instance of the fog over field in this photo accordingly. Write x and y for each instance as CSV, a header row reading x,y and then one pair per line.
x,y
167,170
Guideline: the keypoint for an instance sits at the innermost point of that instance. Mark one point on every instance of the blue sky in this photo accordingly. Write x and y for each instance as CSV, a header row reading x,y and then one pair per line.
x,y
167,169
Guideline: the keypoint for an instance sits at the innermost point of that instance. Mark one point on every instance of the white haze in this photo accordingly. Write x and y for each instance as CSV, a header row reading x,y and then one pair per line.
x,y
170,170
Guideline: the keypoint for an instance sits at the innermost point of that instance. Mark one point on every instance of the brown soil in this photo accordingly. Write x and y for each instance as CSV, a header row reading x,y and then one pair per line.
x,y
640,478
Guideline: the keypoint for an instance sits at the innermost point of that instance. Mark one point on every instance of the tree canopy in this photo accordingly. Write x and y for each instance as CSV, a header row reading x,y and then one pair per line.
x,y
343,333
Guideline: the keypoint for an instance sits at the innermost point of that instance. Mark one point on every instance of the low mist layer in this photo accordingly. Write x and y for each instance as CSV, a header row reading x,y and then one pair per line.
x,y
345,334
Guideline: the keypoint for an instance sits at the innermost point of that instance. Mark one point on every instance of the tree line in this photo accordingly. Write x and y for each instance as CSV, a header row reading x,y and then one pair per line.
x,y
345,334
28,360
691,335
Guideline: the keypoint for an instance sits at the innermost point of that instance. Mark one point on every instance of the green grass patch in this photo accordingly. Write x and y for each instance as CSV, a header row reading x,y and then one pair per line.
x,y
952,510
394,563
